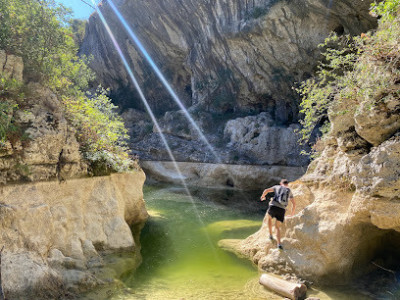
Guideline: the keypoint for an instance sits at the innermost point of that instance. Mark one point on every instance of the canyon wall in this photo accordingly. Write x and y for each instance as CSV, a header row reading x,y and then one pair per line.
x,y
227,55
56,222
347,223
233,64
55,234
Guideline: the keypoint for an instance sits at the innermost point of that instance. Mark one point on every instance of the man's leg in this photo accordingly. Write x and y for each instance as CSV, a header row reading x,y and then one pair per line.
x,y
278,231
270,226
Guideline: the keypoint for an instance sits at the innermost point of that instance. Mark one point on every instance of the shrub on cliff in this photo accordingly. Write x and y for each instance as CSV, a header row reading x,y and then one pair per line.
x,y
41,32
355,70
101,132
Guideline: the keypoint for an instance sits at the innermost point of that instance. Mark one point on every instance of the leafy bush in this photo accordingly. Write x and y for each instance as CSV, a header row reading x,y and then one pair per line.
x,y
355,70
6,113
37,31
101,131
9,91
386,9
41,32
332,77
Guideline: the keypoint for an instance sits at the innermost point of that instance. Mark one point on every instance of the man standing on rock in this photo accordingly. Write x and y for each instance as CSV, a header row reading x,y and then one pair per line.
x,y
277,207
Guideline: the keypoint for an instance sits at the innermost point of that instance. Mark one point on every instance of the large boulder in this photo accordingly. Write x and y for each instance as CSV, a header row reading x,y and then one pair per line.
x,y
264,143
55,233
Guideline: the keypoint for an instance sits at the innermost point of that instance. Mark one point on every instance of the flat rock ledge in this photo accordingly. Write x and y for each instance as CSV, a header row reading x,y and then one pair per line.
x,y
243,177
55,234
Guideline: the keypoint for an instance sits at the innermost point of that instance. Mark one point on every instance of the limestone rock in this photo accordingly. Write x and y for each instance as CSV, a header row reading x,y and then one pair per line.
x,y
227,55
26,273
54,233
245,177
138,124
378,173
12,66
379,122
175,123
50,149
351,216
257,138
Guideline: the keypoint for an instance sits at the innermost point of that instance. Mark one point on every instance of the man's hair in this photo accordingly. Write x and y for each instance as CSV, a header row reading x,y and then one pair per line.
x,y
284,181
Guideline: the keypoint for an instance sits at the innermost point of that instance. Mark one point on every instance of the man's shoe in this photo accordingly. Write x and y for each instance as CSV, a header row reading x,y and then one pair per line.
x,y
271,237
280,247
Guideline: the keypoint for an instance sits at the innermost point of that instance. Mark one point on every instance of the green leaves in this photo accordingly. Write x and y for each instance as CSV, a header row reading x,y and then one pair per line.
x,y
386,9
41,32
333,75
101,131
355,70
6,116
38,31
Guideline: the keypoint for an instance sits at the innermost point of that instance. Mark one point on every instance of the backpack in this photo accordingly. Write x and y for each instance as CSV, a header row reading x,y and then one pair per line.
x,y
282,196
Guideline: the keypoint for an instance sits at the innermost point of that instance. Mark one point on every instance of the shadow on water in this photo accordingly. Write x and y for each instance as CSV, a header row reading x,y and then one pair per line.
x,y
157,249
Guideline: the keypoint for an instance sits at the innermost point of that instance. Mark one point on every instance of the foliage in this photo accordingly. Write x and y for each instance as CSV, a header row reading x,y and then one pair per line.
x,y
37,31
6,112
41,32
386,9
356,70
101,131
333,76
9,91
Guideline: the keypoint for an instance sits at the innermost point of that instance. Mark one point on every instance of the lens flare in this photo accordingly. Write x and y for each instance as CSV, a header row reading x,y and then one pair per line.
x,y
162,78
146,104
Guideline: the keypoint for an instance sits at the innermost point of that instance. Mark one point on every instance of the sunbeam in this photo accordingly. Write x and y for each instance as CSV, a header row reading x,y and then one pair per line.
x,y
162,78
148,108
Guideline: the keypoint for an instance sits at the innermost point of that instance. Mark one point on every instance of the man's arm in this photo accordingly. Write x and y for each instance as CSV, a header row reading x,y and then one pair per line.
x,y
270,190
293,206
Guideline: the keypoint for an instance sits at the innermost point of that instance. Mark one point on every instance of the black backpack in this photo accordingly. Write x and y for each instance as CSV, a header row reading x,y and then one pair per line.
x,y
282,196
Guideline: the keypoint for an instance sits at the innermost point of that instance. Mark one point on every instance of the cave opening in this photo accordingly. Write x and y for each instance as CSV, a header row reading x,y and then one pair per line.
x,y
339,30
378,268
230,183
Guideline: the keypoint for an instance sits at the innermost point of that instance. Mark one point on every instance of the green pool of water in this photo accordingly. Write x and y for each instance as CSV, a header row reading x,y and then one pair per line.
x,y
181,259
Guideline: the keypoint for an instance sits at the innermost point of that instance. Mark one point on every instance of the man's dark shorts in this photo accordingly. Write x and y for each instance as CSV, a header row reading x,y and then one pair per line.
x,y
277,212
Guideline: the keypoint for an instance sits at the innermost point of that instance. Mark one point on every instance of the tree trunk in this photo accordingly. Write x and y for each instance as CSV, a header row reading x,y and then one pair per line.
x,y
282,287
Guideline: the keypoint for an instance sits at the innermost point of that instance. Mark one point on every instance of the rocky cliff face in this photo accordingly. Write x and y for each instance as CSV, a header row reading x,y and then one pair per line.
x,y
227,55
43,145
54,233
348,220
233,63
55,227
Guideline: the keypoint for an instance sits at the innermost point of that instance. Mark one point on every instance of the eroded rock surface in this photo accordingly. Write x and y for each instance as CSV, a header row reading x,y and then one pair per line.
x,y
243,177
224,54
55,233
47,147
352,218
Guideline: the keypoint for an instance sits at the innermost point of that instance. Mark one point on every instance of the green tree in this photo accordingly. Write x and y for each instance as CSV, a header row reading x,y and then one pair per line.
x,y
41,32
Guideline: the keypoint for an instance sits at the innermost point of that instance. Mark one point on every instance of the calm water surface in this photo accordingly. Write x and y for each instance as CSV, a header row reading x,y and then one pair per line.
x,y
181,259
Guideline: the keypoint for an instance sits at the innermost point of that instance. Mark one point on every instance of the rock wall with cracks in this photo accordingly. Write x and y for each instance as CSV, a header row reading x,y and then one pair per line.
x,y
227,55
347,222
55,234
233,63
